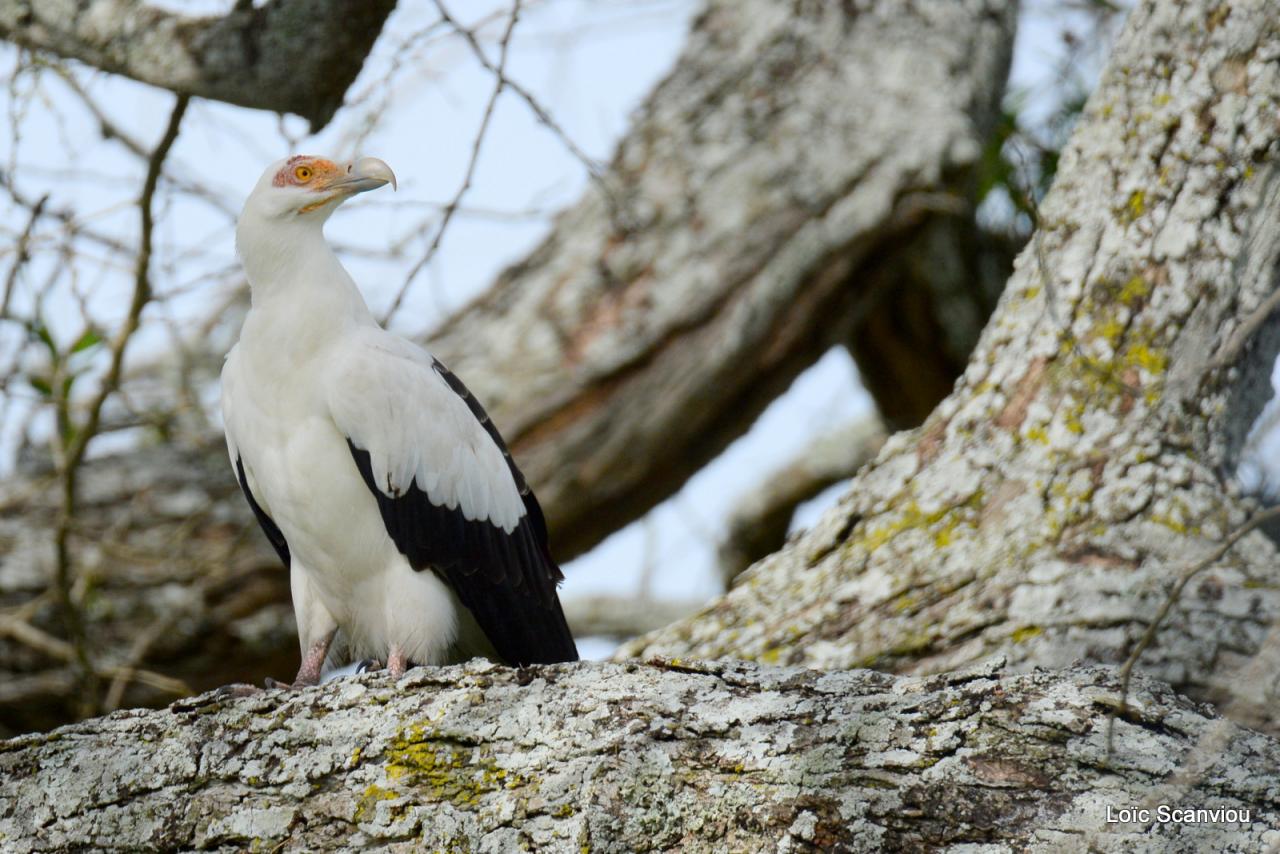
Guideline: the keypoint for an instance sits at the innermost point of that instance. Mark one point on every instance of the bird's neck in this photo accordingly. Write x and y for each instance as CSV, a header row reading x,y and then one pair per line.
x,y
294,274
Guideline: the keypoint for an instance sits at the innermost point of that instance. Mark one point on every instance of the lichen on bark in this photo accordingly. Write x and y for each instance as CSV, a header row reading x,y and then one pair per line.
x,y
667,755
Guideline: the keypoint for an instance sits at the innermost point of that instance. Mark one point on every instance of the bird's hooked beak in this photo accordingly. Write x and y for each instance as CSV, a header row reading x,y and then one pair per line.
x,y
367,173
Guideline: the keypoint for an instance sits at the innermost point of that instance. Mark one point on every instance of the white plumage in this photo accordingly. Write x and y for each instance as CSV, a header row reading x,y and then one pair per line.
x,y
377,477
415,426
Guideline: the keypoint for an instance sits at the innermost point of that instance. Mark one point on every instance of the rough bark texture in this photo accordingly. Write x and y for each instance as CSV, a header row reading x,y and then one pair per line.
x,y
797,156
290,56
796,149
1045,508
613,757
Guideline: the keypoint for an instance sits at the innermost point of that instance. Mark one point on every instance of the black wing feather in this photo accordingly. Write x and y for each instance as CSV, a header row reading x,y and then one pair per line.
x,y
269,527
507,580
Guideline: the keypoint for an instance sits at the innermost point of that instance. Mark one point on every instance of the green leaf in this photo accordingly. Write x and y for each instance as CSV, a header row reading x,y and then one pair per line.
x,y
42,334
41,384
90,338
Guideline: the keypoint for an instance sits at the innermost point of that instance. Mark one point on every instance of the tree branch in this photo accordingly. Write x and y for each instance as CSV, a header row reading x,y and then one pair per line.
x,y
1046,508
637,349
295,56
764,186
611,757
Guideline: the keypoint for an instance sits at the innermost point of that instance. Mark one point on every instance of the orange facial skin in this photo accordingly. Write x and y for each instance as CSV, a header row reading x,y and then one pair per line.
x,y
305,171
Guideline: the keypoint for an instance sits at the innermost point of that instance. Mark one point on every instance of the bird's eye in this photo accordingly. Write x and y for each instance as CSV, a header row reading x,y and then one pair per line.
x,y
302,173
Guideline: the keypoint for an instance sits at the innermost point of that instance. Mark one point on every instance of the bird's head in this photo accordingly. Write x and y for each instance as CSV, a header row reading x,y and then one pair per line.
x,y
310,188
282,220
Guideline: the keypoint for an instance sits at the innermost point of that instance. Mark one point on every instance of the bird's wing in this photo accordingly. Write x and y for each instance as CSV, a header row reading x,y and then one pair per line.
x,y
452,499
269,527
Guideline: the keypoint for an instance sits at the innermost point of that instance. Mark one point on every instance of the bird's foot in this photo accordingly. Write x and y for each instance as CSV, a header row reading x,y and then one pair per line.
x,y
301,680
274,684
397,662
239,689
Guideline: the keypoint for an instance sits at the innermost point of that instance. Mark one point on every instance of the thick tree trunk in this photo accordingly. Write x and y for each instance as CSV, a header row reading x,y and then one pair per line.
x,y
755,213
1047,506
632,757
290,56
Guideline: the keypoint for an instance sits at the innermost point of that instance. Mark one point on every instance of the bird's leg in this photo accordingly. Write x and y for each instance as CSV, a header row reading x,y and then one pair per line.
x,y
397,662
309,672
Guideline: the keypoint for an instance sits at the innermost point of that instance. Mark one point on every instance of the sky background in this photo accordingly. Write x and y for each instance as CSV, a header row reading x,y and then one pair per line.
x,y
416,105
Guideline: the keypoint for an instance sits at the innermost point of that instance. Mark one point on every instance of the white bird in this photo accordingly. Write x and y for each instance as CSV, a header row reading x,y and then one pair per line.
x,y
378,478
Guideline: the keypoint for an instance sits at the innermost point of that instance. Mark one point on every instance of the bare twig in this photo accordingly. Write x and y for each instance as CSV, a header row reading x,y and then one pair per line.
x,y
22,253
111,130
130,672
500,84
1126,671
66,218
75,442
539,111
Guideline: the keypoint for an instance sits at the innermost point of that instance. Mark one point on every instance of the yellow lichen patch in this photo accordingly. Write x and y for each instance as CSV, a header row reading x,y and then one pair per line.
x,y
1137,350
445,769
369,800
1150,359
1110,330
1037,434
1136,206
1174,524
905,602
912,645
1026,633
1134,290
943,522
